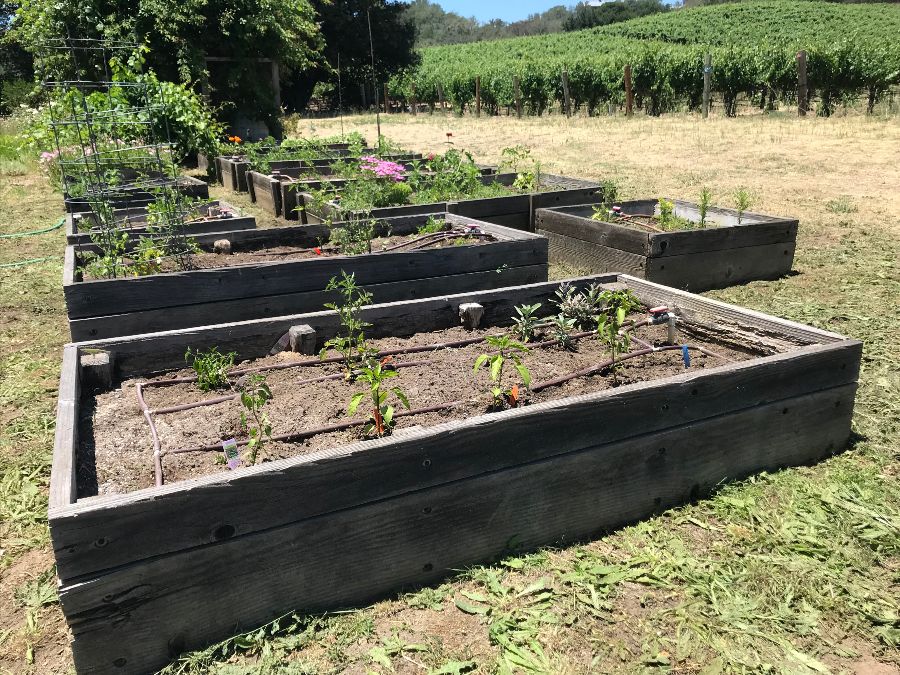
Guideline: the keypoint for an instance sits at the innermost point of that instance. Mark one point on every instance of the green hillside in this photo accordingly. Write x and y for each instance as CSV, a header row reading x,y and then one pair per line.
x,y
852,49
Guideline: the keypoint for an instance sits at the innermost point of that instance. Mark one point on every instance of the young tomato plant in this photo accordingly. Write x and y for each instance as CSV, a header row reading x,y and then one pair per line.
x,y
526,322
381,418
352,345
254,395
211,367
507,350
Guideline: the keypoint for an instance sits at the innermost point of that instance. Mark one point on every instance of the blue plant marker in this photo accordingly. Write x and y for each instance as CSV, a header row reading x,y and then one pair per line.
x,y
686,355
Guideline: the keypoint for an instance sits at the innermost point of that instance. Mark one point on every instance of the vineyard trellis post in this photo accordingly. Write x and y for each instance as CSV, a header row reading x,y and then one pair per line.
x,y
629,92
440,93
568,99
707,83
387,99
802,85
478,96
518,91
414,104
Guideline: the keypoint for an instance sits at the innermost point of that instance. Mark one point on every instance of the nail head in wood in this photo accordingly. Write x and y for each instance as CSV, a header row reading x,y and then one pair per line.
x,y
303,339
470,314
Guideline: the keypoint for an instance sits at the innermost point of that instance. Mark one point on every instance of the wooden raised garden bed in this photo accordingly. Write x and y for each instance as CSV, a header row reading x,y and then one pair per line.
x,y
136,197
722,254
268,189
334,521
291,276
225,217
515,211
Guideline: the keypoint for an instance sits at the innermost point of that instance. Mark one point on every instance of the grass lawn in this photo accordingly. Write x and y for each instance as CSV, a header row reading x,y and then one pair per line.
x,y
796,572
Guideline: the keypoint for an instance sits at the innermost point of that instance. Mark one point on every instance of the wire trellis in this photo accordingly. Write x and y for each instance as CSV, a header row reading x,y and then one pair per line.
x,y
113,147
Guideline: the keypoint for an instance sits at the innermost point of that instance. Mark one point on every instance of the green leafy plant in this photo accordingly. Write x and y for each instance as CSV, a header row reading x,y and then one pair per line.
x,y
562,329
211,367
254,421
608,330
507,350
355,236
666,214
526,321
146,257
109,263
381,417
612,301
704,204
352,344
433,226
610,192
575,306
742,201
527,169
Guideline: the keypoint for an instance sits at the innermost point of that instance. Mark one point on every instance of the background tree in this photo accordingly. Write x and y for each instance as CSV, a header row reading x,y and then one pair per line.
x,y
345,30
587,16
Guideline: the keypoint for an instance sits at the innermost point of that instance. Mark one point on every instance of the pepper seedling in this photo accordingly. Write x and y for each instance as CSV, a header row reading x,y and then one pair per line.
x,y
381,419
507,350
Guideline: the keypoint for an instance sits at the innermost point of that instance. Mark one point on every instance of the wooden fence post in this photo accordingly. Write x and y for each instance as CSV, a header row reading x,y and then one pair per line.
x,y
802,89
477,96
707,83
440,90
629,92
365,100
387,100
567,98
518,92
414,104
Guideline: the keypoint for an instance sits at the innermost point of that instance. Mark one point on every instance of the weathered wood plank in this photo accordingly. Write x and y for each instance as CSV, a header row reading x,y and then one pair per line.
x,y
118,296
63,487
141,616
140,354
266,191
592,257
142,526
723,238
707,270
721,315
242,309
575,222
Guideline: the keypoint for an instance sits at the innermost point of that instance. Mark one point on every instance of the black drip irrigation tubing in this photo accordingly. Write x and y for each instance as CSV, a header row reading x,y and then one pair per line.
x,y
158,452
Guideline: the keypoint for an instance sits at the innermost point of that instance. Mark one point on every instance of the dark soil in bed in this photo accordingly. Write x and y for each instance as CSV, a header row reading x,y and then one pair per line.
x,y
208,260
116,456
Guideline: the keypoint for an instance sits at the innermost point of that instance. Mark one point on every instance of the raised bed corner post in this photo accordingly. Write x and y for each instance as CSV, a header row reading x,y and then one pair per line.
x,y
802,84
629,93
707,83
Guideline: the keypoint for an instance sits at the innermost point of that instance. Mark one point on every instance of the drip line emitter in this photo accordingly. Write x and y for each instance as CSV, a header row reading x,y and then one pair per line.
x,y
657,316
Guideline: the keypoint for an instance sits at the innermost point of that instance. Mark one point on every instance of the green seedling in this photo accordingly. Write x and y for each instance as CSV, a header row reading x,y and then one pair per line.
x,y
527,169
610,193
254,395
351,345
575,306
381,418
211,367
355,236
562,329
704,204
526,322
433,226
506,350
742,201
608,330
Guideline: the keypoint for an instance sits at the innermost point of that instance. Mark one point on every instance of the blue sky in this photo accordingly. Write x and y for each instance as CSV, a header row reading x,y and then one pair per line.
x,y
508,10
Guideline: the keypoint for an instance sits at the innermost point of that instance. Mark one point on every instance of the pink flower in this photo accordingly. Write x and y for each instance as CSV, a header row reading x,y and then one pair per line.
x,y
382,168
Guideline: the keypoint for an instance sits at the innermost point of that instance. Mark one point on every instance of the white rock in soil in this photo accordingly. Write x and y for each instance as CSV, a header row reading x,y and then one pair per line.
x,y
222,246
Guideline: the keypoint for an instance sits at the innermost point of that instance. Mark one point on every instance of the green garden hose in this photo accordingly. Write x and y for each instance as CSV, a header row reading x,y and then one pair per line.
x,y
32,261
28,262
62,221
